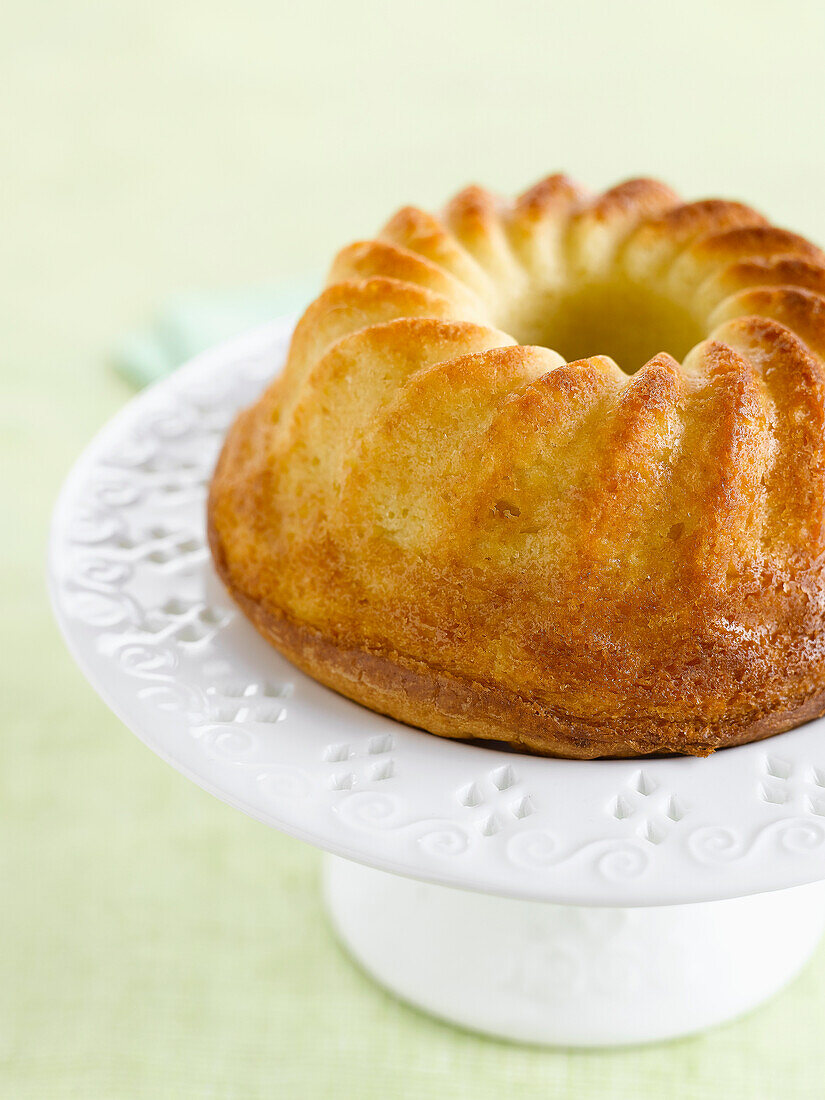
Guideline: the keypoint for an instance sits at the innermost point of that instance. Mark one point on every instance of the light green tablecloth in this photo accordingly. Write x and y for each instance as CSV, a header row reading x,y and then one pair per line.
x,y
153,942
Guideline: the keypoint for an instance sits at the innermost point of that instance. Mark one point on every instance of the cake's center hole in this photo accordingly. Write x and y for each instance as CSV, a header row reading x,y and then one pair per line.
x,y
629,323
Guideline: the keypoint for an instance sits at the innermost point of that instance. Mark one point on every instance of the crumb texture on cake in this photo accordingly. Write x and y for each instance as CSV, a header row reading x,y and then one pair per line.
x,y
548,472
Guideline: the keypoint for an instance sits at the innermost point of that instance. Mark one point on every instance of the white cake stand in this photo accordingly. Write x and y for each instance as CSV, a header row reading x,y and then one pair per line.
x,y
549,901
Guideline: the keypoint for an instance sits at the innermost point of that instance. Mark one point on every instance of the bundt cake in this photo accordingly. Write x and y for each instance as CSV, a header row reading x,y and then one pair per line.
x,y
550,473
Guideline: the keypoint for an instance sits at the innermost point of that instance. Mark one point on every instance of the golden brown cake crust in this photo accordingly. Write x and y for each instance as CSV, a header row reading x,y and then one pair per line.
x,y
453,526
458,707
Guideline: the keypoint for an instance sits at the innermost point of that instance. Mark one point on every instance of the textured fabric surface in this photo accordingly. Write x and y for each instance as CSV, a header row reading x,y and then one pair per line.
x,y
153,942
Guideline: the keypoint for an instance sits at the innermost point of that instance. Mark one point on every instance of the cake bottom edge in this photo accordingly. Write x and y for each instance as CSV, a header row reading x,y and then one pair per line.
x,y
449,704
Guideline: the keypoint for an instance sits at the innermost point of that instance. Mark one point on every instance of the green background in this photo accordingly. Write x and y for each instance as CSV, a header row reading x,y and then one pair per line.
x,y
153,942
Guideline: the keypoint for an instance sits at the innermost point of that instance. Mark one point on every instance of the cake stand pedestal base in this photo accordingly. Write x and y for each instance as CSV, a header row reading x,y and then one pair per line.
x,y
570,975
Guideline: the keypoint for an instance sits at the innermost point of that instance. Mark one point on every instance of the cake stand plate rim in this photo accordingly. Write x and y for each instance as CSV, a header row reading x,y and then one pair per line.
x,y
147,621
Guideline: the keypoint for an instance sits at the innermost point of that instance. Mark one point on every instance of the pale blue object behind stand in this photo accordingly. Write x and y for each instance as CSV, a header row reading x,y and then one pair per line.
x,y
196,320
